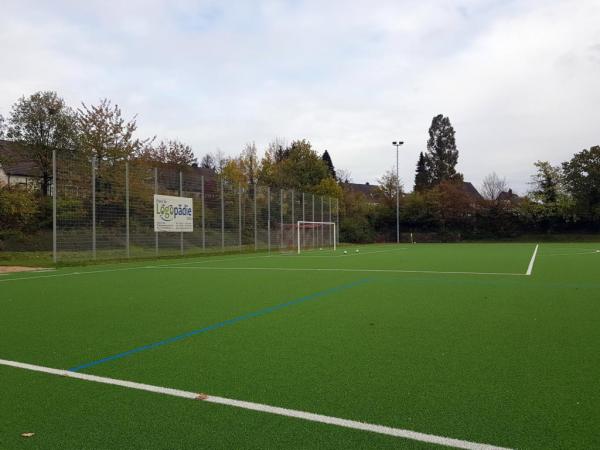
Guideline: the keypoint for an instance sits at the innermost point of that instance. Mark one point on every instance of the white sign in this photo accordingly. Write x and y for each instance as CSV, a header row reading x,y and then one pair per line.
x,y
174,214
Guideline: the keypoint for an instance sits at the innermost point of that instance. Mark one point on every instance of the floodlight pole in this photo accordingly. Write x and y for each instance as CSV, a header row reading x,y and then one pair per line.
x,y
397,144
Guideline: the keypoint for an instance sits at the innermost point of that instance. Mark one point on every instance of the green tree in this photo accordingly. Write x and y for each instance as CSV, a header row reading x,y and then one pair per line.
x,y
442,155
328,187
422,178
18,209
302,169
582,180
327,160
43,123
546,183
2,126
105,134
297,166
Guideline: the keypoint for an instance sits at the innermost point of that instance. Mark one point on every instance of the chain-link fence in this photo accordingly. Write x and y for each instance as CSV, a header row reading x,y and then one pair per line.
x,y
104,209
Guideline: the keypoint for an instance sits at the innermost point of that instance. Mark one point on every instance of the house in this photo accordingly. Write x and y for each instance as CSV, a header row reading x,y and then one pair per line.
x,y
471,192
15,168
371,192
508,197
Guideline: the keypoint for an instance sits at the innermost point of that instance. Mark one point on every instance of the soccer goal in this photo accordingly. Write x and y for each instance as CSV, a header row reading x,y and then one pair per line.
x,y
313,235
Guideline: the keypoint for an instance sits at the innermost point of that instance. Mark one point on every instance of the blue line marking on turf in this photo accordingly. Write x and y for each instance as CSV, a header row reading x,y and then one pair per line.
x,y
260,312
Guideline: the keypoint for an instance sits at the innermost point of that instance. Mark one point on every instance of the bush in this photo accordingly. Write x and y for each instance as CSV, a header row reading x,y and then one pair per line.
x,y
19,209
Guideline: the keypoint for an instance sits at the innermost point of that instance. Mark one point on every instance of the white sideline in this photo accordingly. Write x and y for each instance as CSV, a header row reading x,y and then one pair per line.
x,y
532,261
592,252
291,255
346,423
294,269
120,269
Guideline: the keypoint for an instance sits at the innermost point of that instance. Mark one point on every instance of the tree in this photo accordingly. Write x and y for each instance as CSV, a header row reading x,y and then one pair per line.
x,y
105,134
492,186
2,126
43,123
172,153
327,160
279,149
297,166
547,186
422,177
232,171
390,186
328,187
582,181
249,163
344,175
208,162
220,160
302,169
19,209
455,206
442,154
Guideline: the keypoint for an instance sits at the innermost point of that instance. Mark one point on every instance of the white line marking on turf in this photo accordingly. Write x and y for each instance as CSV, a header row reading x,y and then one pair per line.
x,y
346,423
532,261
344,256
86,272
71,273
592,252
294,269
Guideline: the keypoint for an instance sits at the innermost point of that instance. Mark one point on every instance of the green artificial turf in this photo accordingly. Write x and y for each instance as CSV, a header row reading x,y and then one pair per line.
x,y
447,339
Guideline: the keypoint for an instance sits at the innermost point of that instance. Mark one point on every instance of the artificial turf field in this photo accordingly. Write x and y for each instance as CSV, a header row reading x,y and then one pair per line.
x,y
451,340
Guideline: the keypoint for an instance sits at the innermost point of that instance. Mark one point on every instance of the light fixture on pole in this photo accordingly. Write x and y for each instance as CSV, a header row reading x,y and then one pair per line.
x,y
397,144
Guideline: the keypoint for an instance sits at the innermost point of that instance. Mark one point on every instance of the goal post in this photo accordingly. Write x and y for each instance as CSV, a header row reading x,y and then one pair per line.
x,y
315,234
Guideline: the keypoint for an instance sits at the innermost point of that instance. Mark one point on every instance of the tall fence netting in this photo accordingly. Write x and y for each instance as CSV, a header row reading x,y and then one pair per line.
x,y
105,210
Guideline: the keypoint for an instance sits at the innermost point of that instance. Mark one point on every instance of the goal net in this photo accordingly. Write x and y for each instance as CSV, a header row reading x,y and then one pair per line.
x,y
315,235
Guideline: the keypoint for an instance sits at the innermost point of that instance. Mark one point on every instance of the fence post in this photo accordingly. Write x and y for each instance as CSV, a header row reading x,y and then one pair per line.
x,y
181,195
330,231
222,218
240,216
313,219
255,224
54,195
280,219
155,193
94,207
293,221
321,226
127,208
203,233
269,218
337,221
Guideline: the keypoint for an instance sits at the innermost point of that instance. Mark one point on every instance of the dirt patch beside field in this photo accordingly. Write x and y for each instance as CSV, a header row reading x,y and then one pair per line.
x,y
14,269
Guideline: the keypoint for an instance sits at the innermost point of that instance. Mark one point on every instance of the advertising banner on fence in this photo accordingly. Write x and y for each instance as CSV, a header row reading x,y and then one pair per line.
x,y
173,214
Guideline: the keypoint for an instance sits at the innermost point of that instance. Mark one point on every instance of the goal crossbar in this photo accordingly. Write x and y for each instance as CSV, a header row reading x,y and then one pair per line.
x,y
308,222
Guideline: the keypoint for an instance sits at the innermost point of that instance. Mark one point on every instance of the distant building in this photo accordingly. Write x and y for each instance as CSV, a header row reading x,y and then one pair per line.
x,y
371,192
15,168
508,197
470,190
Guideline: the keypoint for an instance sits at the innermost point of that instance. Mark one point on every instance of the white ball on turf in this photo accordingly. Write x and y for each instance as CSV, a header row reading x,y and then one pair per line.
x,y
320,249
345,252
356,250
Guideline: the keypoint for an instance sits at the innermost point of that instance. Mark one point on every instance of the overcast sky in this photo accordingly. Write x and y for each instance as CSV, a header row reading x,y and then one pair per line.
x,y
520,80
